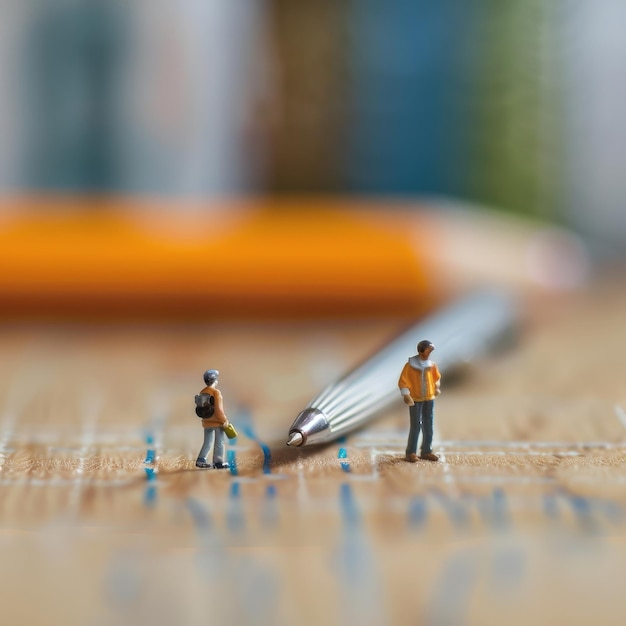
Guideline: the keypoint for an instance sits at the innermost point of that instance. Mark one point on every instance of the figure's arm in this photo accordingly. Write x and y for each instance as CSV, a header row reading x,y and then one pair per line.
x,y
404,385
219,407
437,379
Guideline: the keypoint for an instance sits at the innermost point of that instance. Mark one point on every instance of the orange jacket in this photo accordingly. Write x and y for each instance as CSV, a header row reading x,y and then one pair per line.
x,y
419,379
218,418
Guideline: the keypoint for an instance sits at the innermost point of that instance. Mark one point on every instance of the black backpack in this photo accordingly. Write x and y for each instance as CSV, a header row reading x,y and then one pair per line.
x,y
205,405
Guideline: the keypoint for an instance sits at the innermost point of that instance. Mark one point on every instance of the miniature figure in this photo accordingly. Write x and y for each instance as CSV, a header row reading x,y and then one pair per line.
x,y
210,407
419,384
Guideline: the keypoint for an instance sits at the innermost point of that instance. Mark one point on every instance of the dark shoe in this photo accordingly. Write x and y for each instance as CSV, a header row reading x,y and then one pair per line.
x,y
411,458
202,464
429,456
221,465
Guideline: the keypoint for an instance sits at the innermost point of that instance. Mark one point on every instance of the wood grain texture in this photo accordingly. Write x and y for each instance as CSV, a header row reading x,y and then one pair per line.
x,y
524,520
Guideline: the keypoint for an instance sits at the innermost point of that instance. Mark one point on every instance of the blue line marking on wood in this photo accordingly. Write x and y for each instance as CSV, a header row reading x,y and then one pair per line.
x,y
343,454
494,509
235,490
456,512
200,515
551,506
231,455
211,560
269,510
234,512
582,508
267,455
150,494
357,570
417,511
348,507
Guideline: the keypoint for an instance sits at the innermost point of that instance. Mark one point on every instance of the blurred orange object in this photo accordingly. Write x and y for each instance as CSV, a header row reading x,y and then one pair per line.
x,y
102,258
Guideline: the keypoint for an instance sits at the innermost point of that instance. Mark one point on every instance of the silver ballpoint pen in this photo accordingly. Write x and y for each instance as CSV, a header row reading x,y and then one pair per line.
x,y
461,332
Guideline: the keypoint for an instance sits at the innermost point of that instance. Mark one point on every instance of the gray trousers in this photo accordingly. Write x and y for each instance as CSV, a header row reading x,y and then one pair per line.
x,y
211,434
421,414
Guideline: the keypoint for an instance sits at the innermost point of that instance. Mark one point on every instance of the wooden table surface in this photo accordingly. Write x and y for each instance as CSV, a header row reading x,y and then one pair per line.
x,y
105,520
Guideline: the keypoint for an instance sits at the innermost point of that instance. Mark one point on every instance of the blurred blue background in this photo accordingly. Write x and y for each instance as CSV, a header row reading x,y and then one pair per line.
x,y
517,105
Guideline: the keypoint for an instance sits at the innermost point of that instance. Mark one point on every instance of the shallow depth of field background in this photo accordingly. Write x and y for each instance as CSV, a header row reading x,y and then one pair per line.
x,y
517,105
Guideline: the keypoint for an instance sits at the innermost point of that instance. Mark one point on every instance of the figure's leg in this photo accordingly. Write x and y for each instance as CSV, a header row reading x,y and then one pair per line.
x,y
218,450
414,431
206,446
427,430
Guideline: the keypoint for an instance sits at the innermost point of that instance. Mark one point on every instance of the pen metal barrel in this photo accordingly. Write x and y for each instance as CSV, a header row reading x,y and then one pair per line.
x,y
461,332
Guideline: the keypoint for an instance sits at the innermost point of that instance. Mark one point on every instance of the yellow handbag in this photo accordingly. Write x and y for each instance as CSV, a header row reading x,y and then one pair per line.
x,y
230,430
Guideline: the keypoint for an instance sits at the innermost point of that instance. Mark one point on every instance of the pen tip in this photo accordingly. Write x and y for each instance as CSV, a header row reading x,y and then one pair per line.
x,y
295,439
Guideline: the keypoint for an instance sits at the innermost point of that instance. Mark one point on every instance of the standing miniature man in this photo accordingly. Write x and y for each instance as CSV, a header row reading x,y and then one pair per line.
x,y
210,407
419,384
